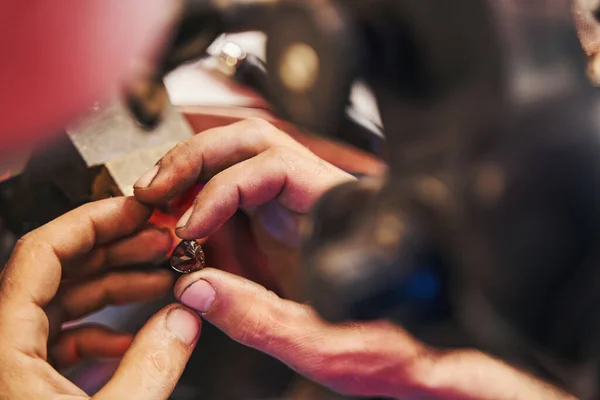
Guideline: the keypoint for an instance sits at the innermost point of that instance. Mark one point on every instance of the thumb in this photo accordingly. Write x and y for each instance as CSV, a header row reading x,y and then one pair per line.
x,y
372,359
341,357
157,357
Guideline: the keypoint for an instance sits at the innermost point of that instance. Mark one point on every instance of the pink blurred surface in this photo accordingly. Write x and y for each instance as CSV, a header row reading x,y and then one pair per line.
x,y
60,56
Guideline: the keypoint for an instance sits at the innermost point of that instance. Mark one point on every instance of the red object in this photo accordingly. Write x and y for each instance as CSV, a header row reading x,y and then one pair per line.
x,y
60,56
168,216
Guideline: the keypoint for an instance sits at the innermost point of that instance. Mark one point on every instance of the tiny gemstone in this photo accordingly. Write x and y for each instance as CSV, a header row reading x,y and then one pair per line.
x,y
187,257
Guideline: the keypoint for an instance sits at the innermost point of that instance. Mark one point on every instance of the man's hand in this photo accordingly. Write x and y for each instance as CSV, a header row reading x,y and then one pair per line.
x,y
375,359
58,273
252,165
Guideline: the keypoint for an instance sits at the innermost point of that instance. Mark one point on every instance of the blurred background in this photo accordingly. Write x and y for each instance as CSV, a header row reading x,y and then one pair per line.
x,y
480,117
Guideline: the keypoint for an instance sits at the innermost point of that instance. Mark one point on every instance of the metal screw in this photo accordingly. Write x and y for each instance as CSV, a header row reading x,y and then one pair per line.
x,y
230,58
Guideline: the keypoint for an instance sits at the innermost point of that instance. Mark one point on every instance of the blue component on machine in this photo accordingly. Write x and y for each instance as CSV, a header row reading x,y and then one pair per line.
x,y
423,285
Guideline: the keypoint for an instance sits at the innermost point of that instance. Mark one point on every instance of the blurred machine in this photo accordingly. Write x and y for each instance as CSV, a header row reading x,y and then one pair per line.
x,y
486,229
489,220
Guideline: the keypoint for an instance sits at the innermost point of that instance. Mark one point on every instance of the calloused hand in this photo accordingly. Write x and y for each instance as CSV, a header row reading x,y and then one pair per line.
x,y
68,269
375,359
249,165
253,165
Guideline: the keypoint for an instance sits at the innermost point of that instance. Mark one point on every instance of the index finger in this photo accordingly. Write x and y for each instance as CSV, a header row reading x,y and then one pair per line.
x,y
33,273
206,154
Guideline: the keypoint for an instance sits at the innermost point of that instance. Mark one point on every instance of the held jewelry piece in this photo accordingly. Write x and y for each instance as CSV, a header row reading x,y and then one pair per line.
x,y
187,257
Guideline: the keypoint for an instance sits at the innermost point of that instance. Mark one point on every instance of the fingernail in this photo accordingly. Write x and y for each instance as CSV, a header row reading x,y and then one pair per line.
x,y
185,218
184,325
200,296
147,178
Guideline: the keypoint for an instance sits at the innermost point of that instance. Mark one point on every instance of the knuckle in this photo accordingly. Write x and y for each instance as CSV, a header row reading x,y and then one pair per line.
x,y
174,155
322,167
26,244
284,154
184,147
219,187
179,156
20,245
178,166
289,158
261,130
177,149
259,126
271,296
304,312
337,371
256,325
25,241
157,365
249,329
216,183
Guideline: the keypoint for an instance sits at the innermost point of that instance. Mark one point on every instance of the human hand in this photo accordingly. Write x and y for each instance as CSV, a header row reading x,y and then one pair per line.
x,y
56,274
252,164
249,165
375,359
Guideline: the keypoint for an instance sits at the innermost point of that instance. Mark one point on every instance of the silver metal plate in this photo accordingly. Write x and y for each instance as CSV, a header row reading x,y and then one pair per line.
x,y
109,133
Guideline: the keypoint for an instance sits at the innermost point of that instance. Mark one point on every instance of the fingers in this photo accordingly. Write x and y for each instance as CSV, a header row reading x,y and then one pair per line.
x,y
114,288
281,173
207,154
374,359
157,357
34,271
89,341
252,163
147,246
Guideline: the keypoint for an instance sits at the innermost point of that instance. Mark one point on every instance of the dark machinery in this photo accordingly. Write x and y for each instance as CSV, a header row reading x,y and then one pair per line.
x,y
489,220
